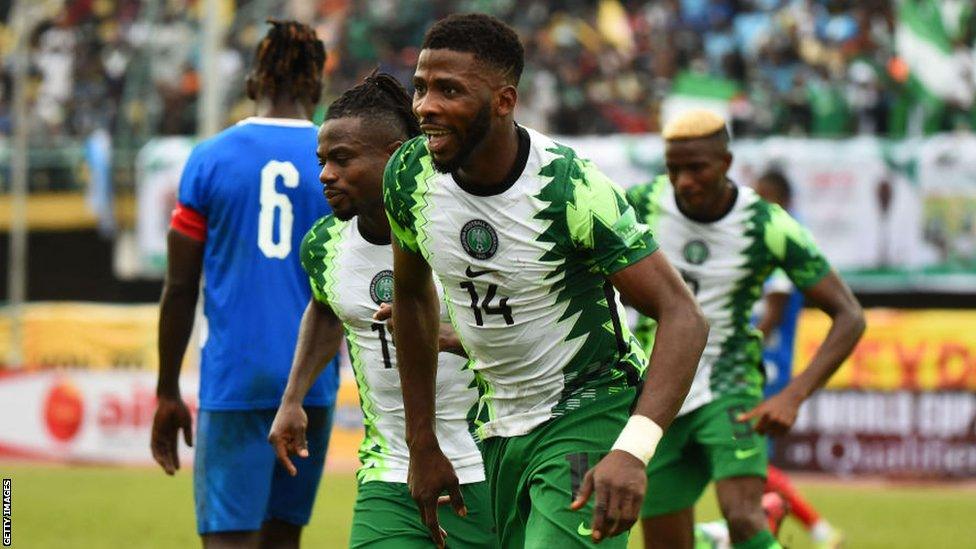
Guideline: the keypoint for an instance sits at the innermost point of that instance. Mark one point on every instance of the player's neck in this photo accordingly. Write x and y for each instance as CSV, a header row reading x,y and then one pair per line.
x,y
719,208
374,227
493,159
267,108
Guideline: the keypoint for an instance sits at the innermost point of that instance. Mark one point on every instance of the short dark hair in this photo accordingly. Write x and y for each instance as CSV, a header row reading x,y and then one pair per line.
x,y
778,180
489,39
379,98
288,63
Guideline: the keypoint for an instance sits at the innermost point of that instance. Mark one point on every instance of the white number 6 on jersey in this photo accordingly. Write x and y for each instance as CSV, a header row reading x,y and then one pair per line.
x,y
272,200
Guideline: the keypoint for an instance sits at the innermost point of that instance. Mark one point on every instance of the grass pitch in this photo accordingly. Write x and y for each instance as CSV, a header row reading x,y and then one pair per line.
x,y
88,507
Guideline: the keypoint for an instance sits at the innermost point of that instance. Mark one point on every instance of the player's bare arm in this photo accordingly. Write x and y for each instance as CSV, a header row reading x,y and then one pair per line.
x,y
431,473
176,309
831,295
319,337
654,287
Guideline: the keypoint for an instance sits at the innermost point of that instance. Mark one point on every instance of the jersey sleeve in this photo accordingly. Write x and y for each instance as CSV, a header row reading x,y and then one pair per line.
x,y
399,188
314,256
194,189
639,198
603,225
794,250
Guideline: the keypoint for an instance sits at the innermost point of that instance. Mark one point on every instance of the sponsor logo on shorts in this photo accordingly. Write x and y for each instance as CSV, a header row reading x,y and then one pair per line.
x,y
479,239
583,530
381,287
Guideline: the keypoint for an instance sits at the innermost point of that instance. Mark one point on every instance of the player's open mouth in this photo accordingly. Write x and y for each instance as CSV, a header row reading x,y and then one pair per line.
x,y
437,139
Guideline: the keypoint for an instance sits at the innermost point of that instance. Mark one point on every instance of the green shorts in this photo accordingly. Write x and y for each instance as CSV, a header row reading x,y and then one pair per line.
x,y
704,445
386,517
534,477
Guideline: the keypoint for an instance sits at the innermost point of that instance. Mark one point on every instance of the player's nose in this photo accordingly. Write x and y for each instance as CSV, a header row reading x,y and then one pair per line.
x,y
425,107
328,176
684,182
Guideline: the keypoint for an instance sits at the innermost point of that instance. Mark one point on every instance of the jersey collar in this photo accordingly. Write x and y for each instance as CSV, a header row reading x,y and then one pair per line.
x,y
524,142
727,211
287,122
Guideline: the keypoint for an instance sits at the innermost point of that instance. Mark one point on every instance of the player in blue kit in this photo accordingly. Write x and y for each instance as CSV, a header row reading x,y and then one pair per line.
x,y
247,197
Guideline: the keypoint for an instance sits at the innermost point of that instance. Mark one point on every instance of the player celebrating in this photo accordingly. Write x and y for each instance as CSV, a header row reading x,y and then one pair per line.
x,y
529,242
246,198
349,262
725,240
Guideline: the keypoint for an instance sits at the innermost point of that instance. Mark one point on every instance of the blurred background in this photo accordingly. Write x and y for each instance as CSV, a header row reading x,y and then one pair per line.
x,y
867,107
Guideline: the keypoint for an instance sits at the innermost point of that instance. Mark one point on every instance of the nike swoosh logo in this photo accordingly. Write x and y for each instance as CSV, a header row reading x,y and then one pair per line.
x,y
743,454
583,530
475,274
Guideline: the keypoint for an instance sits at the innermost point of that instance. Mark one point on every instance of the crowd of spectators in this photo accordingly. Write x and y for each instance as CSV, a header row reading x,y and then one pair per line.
x,y
799,67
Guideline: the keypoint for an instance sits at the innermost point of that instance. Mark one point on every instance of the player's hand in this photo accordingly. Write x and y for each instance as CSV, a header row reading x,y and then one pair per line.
x,y
775,415
617,485
171,416
287,435
430,475
385,313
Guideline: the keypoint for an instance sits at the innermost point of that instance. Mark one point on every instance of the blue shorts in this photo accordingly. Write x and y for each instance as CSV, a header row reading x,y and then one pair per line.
x,y
237,482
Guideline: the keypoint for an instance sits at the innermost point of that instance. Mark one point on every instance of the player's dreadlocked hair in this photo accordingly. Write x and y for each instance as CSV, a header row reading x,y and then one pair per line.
x,y
490,40
288,63
380,97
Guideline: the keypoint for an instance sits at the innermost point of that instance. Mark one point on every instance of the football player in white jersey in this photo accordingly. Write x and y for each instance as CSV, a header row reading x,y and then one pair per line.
x,y
725,241
531,244
349,262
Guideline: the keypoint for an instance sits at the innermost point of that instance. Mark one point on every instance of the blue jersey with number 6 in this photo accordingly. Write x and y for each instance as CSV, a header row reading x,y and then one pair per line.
x,y
256,187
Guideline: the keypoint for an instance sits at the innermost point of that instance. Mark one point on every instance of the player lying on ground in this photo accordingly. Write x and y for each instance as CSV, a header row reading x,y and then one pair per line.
x,y
725,241
349,262
234,186
532,244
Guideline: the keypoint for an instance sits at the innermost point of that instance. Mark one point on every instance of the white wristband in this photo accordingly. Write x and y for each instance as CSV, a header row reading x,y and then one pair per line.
x,y
639,438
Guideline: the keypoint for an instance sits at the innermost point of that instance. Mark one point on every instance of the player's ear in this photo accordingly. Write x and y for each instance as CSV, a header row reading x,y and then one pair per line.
x,y
505,100
393,146
727,160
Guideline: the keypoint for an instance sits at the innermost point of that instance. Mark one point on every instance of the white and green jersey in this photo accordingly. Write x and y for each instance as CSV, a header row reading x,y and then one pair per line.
x,y
353,277
524,272
725,263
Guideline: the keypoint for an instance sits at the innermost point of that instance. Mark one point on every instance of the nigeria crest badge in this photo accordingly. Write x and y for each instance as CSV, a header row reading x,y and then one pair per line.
x,y
479,239
381,287
696,252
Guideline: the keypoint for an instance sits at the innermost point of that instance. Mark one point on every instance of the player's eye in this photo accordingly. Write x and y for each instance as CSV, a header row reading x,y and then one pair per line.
x,y
419,89
450,91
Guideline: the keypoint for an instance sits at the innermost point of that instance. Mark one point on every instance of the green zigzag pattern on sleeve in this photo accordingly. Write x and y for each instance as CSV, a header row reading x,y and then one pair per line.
x,y
400,190
316,244
792,245
644,199
595,369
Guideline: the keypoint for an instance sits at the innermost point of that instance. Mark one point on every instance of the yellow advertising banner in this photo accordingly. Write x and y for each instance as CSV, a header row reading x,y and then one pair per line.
x,y
88,336
925,350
